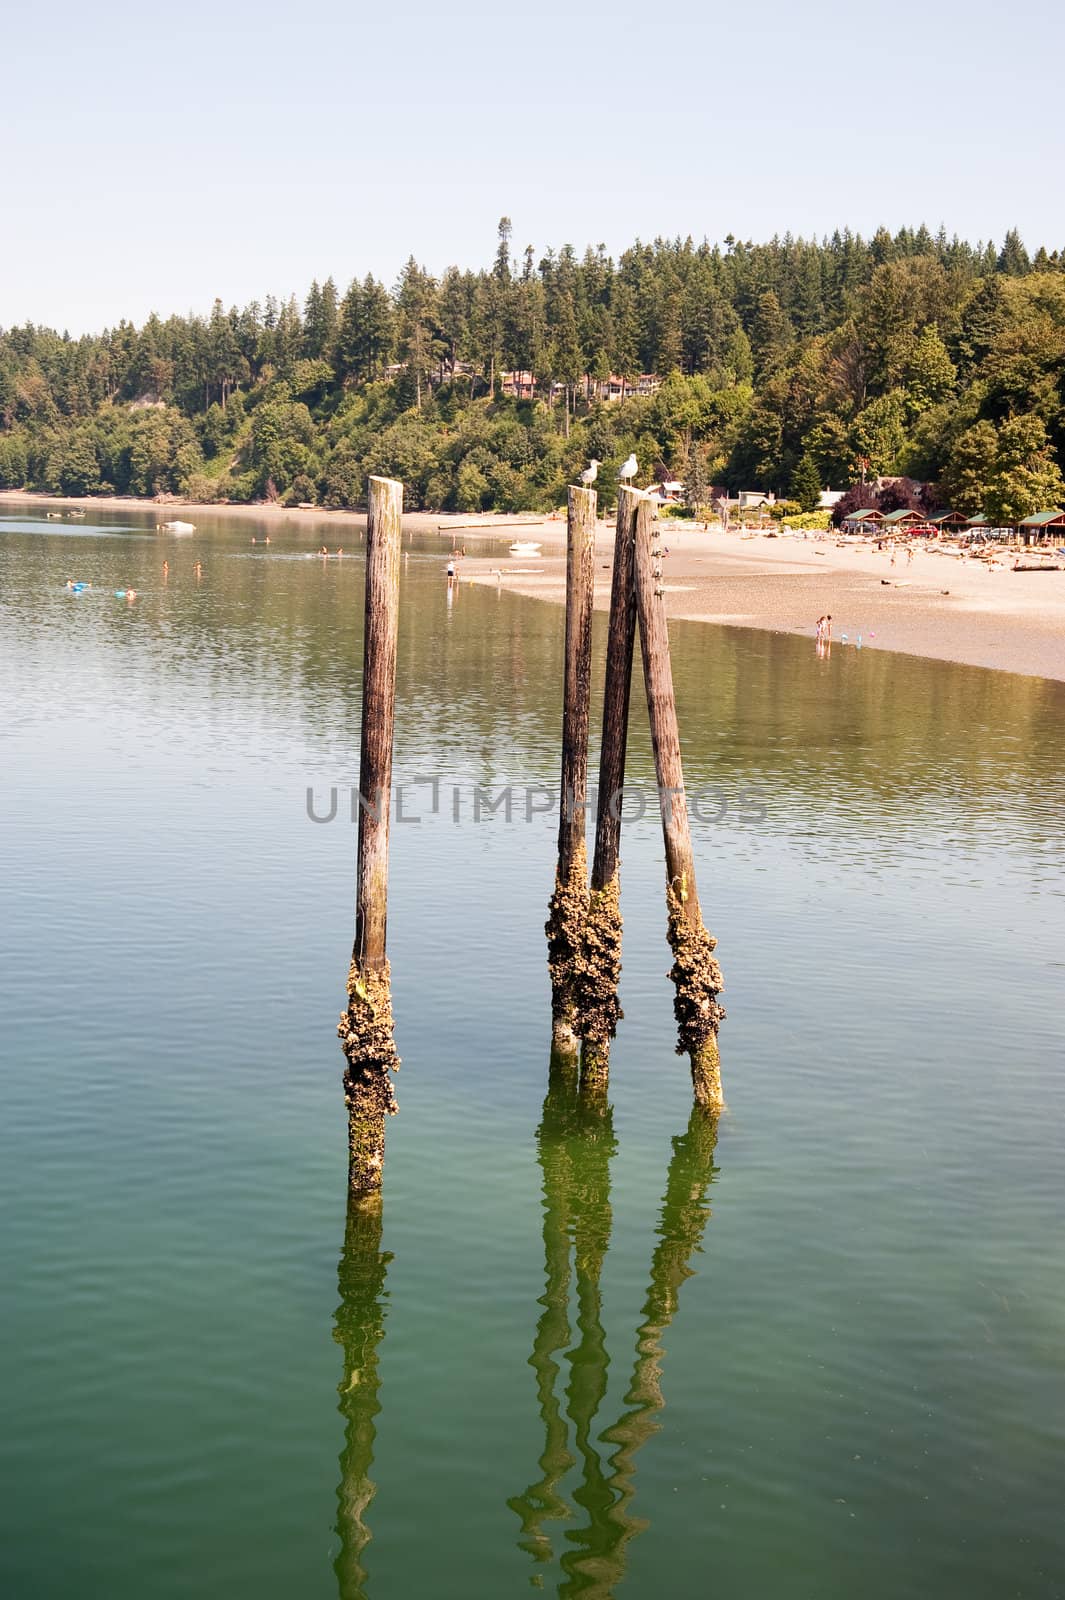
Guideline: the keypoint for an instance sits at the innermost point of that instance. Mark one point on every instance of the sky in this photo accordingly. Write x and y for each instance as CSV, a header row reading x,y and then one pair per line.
x,y
158,157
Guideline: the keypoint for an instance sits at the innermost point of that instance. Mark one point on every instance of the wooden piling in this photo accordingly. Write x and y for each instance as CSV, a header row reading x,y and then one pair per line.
x,y
569,902
695,971
600,1011
366,1026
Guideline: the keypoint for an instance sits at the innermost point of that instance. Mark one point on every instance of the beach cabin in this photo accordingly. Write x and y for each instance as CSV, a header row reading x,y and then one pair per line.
x,y
904,522
1042,526
948,522
867,521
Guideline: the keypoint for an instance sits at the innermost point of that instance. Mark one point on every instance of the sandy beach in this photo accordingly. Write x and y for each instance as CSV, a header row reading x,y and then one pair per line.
x,y
934,605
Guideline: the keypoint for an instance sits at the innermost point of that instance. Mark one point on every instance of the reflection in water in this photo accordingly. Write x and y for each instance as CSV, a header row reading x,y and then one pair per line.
x,y
541,1501
681,1223
360,1325
576,1143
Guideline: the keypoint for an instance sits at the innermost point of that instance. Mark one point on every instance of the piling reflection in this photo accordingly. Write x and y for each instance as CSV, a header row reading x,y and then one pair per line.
x,y
681,1225
359,1328
576,1144
594,1144
541,1501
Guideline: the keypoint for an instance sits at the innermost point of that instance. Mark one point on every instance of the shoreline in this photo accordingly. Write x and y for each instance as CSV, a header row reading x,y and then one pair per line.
x,y
936,605
473,525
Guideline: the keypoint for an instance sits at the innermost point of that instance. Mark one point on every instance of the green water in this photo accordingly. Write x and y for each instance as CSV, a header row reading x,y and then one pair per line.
x,y
590,1351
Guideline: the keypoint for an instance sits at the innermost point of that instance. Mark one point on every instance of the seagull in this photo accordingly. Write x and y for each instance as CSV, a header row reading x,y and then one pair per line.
x,y
590,473
629,469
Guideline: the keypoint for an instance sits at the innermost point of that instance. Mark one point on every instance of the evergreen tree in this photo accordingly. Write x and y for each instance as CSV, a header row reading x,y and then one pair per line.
x,y
1013,257
806,483
320,321
696,482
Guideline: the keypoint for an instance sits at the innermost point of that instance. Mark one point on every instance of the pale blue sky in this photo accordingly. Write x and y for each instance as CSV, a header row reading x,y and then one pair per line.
x,y
156,158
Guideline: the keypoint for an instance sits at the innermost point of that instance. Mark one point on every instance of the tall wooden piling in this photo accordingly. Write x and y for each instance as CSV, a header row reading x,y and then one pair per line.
x,y
565,923
366,1026
601,965
695,971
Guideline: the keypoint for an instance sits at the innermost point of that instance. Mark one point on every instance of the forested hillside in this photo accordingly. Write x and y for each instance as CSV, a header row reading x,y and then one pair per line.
x,y
783,365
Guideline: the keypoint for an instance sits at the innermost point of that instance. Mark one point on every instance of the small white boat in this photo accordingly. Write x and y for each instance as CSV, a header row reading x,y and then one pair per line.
x,y
525,547
177,527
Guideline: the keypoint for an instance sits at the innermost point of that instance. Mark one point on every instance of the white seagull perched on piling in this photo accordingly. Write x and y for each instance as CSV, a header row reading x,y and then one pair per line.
x,y
590,473
629,469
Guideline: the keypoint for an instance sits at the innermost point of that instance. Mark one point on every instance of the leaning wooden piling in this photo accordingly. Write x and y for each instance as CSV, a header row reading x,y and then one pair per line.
x,y
695,971
569,902
366,1026
599,1007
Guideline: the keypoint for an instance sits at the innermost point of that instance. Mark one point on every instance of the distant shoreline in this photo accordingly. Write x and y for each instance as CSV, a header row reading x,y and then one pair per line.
x,y
1010,622
265,511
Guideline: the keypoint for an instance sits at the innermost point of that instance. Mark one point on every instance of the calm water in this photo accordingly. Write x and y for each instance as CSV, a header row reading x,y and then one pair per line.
x,y
587,1353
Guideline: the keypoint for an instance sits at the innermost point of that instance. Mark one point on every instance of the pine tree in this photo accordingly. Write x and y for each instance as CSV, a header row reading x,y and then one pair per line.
x,y
806,483
1013,257
696,484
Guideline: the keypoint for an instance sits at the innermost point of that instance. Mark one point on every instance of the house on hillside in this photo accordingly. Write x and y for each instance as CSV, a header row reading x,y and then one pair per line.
x,y
912,488
519,385
615,387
